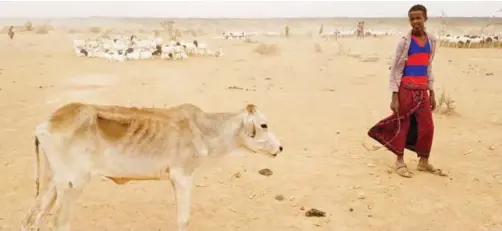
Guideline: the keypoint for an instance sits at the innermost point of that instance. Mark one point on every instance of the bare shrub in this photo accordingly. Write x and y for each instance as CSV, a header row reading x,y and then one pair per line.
x,y
445,104
95,29
28,26
44,29
267,49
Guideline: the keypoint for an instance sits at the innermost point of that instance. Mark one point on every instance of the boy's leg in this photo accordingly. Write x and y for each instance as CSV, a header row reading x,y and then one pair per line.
x,y
425,125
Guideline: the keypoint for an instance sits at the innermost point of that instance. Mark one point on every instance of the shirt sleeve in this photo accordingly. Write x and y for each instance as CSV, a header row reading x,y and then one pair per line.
x,y
395,73
430,82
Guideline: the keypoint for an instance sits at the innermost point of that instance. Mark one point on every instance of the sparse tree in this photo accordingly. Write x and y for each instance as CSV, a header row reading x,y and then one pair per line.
x,y
169,26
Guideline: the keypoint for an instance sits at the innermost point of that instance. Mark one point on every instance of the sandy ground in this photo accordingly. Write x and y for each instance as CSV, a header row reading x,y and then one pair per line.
x,y
320,104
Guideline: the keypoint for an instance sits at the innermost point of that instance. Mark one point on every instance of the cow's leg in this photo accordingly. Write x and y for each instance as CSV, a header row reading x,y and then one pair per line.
x,y
68,192
48,202
182,184
41,206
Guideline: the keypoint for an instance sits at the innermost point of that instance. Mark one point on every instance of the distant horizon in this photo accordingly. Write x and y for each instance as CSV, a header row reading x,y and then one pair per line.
x,y
240,18
244,9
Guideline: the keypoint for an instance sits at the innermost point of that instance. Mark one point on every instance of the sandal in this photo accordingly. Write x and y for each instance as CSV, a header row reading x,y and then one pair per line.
x,y
403,171
430,169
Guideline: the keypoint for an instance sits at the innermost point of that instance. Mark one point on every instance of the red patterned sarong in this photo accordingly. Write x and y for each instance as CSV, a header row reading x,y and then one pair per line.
x,y
412,128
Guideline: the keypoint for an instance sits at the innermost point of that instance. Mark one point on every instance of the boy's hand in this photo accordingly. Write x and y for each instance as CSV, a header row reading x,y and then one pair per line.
x,y
432,98
394,103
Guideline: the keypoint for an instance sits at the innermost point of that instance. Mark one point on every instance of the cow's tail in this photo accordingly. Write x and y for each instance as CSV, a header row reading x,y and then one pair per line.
x,y
37,166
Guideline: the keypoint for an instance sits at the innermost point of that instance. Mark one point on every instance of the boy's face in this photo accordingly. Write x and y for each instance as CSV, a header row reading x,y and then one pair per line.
x,y
417,20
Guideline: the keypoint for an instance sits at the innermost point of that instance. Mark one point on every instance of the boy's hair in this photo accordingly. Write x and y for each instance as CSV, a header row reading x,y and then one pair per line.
x,y
419,7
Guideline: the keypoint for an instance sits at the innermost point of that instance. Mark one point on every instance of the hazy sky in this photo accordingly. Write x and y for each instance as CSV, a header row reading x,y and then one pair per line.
x,y
242,9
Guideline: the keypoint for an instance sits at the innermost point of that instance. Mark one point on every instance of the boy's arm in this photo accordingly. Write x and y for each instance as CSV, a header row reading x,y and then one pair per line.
x,y
395,71
430,74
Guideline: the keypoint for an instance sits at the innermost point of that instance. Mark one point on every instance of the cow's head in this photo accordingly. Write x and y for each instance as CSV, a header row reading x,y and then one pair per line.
x,y
255,133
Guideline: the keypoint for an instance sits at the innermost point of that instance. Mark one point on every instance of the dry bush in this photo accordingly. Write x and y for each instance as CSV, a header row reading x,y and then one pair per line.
x,y
267,49
95,29
44,29
28,26
445,105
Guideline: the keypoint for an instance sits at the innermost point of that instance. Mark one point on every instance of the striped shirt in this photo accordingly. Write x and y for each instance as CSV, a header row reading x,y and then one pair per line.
x,y
400,58
415,68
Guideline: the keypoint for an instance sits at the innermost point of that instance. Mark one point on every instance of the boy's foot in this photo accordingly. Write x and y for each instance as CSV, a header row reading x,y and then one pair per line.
x,y
402,170
430,169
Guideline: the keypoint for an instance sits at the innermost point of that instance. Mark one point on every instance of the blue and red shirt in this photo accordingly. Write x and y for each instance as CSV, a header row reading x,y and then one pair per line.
x,y
415,69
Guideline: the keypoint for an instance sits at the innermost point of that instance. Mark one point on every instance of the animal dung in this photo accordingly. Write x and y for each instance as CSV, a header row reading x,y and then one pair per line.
x,y
266,172
279,197
315,213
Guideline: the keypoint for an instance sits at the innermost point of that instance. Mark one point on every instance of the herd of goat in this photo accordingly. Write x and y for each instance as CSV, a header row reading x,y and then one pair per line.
x,y
471,41
122,48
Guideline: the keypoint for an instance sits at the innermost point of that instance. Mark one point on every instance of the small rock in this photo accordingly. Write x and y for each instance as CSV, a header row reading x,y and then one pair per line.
x,y
266,172
491,148
237,175
369,215
361,196
371,165
279,197
302,208
488,74
315,213
351,210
